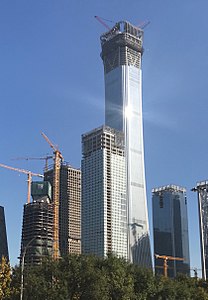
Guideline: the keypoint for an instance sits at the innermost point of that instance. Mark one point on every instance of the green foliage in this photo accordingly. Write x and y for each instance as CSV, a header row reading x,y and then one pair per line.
x,y
92,278
6,291
144,283
120,283
5,278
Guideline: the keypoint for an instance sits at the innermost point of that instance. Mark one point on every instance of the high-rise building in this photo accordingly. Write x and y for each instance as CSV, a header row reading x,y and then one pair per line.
x,y
37,229
69,208
104,207
122,57
3,235
202,191
170,224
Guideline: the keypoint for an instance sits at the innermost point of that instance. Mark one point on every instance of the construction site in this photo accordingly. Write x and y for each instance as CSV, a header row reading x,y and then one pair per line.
x,y
112,185
51,223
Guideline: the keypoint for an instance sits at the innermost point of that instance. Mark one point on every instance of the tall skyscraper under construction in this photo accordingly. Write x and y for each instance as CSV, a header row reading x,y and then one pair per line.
x,y
104,206
37,229
3,235
69,208
202,191
170,223
122,57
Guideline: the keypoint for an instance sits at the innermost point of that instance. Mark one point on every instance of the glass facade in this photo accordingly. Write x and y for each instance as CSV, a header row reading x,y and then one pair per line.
x,y
170,225
202,190
121,54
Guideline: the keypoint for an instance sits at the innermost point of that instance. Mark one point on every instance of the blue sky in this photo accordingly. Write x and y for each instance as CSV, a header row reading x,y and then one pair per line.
x,y
51,80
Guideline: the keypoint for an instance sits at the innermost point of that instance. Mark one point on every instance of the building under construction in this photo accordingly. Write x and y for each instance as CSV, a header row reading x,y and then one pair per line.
x,y
122,48
37,230
202,191
104,205
69,208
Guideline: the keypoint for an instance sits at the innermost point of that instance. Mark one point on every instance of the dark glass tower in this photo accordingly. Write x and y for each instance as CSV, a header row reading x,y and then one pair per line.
x,y
3,235
170,224
122,57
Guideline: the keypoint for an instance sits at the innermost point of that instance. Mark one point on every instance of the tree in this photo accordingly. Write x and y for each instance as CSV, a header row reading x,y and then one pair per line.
x,y
5,279
79,277
144,283
44,282
119,278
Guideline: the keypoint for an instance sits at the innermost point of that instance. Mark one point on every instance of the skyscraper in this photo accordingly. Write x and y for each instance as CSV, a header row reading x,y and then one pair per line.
x,y
3,235
170,225
202,191
104,207
69,208
37,229
122,56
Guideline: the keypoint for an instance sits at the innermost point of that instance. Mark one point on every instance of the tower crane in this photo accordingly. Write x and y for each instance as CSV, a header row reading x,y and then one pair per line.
x,y
165,261
46,158
29,178
102,22
58,158
143,24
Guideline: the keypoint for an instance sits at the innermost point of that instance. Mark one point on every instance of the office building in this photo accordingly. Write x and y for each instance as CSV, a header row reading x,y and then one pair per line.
x,y
3,235
170,224
202,191
69,208
122,57
37,229
104,207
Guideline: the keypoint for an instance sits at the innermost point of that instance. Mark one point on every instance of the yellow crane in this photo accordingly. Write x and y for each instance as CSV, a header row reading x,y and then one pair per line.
x,y
165,261
46,158
58,158
29,177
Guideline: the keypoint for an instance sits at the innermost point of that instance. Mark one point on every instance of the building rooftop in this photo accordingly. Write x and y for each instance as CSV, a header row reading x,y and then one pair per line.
x,y
202,183
121,27
169,187
103,129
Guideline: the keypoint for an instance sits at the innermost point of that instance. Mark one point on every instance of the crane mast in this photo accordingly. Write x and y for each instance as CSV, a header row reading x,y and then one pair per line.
x,y
58,158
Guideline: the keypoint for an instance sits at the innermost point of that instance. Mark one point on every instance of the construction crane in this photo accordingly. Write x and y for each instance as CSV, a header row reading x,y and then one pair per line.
x,y
102,22
143,24
165,261
29,178
46,158
58,158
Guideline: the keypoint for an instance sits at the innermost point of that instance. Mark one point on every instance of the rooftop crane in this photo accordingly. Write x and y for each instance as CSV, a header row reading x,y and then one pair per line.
x,y
143,24
165,261
29,178
58,158
102,22
46,158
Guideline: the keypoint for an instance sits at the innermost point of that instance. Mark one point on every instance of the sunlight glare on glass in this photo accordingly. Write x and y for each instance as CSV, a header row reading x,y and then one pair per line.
x,y
128,112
